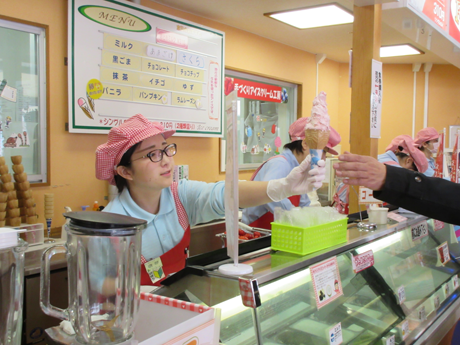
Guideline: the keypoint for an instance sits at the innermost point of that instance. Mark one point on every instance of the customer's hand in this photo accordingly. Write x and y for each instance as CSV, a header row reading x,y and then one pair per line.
x,y
361,170
301,180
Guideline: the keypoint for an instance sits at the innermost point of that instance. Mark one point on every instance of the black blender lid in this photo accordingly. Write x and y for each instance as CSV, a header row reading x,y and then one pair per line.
x,y
103,220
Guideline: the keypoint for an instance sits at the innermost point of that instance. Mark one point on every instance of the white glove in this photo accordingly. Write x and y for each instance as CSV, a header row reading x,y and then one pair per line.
x,y
301,180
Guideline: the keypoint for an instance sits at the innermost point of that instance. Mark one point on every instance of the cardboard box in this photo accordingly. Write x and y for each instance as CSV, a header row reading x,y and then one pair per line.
x,y
168,321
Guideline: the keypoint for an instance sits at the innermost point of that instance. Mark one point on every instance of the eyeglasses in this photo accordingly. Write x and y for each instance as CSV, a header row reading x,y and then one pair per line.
x,y
157,154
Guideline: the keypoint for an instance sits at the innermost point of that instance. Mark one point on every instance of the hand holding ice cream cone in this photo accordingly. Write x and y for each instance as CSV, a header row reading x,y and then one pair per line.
x,y
317,128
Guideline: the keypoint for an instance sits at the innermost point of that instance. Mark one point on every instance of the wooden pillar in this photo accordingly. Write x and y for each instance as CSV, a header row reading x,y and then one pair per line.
x,y
366,46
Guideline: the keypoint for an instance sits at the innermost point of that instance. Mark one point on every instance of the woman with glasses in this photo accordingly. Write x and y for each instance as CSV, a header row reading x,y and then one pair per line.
x,y
138,159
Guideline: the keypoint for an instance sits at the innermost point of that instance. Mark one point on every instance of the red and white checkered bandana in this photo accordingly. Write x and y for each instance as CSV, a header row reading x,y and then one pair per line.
x,y
134,130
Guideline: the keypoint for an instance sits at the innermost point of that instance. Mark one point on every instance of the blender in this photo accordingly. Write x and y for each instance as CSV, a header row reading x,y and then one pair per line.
x,y
103,252
12,251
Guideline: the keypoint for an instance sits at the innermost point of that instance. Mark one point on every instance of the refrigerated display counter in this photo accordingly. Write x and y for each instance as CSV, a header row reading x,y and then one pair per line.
x,y
408,294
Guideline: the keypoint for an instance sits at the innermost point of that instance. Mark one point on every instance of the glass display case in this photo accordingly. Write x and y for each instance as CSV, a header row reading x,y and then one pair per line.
x,y
409,290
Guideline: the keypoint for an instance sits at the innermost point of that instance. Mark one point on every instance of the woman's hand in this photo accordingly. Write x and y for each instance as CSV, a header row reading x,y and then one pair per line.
x,y
301,180
361,170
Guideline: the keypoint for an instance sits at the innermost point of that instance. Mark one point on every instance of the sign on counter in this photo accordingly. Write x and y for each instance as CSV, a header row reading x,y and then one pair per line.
x,y
442,253
335,335
419,230
126,59
362,261
326,281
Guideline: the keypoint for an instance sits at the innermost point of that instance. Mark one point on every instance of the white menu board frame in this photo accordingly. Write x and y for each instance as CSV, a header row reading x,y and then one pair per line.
x,y
126,59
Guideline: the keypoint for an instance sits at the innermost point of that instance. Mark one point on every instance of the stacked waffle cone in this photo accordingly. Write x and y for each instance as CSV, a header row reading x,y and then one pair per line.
x,y
10,214
49,206
23,192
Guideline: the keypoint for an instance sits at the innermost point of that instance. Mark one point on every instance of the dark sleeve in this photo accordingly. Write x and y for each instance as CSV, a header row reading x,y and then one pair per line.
x,y
430,196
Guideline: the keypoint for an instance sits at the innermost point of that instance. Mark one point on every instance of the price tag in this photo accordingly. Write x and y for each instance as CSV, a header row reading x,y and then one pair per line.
x,y
436,301
419,230
397,217
446,289
455,282
366,196
335,334
443,253
362,261
404,329
438,225
401,295
421,313
391,340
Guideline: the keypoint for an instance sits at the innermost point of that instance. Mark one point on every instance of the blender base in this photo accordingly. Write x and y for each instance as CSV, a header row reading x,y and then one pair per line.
x,y
56,336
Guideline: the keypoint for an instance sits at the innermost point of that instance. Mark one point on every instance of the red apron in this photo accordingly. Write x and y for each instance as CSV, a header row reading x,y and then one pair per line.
x,y
174,259
265,220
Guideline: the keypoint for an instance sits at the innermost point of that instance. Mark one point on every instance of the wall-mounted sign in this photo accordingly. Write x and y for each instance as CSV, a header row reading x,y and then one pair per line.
x,y
376,99
127,59
435,10
258,91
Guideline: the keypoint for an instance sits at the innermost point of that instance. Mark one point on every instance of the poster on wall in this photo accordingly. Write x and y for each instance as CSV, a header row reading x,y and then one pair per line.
x,y
126,59
376,99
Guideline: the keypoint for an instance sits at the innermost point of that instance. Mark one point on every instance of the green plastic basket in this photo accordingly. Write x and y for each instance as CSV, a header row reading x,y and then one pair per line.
x,y
293,239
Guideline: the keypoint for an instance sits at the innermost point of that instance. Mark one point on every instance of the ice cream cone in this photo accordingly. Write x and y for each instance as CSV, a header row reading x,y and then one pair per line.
x,y
316,139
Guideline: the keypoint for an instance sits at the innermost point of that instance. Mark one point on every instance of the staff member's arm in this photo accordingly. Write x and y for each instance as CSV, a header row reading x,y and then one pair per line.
x,y
300,180
432,197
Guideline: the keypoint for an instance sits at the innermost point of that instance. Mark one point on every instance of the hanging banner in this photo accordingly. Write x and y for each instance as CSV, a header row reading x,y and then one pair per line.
x,y
126,59
438,170
454,166
454,20
436,10
376,99
258,91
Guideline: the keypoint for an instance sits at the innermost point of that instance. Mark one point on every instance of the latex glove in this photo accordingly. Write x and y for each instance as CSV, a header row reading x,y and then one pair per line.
x,y
301,180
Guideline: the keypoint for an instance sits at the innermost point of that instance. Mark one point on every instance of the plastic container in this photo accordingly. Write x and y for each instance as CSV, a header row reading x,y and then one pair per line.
x,y
378,215
34,233
302,241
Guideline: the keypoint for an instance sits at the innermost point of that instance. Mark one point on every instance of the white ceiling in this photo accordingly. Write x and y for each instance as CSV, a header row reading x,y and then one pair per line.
x,y
334,41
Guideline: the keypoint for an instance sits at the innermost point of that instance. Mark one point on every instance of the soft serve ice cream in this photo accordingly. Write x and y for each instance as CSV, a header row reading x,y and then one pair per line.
x,y
317,128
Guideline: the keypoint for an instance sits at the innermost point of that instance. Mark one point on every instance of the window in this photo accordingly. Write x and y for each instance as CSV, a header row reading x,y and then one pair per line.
x,y
266,109
23,108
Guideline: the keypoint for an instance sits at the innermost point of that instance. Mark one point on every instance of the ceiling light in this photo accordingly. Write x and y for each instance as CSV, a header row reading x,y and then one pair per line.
x,y
399,50
314,17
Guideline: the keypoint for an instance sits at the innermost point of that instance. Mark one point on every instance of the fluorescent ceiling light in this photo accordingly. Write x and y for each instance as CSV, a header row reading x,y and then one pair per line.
x,y
399,50
314,17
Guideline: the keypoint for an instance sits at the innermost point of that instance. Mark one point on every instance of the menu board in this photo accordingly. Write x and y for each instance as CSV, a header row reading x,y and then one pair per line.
x,y
125,59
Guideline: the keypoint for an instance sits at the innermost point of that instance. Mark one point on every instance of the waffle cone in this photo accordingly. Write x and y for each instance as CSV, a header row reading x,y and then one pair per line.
x,y
316,139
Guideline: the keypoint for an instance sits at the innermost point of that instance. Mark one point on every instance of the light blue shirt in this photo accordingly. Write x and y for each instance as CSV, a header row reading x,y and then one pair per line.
x,y
202,201
431,166
273,169
389,156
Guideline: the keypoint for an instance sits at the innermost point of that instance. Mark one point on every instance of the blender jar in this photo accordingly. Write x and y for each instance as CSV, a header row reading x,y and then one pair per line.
x,y
12,251
103,252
